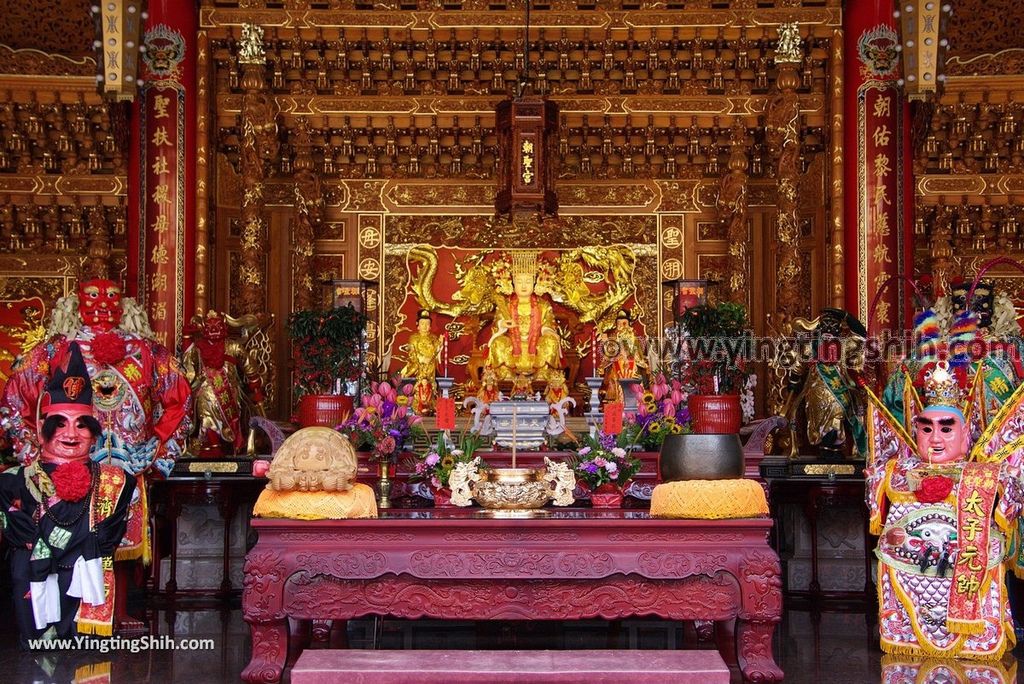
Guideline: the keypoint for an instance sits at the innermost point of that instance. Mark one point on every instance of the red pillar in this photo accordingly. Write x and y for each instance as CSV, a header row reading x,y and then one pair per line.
x,y
162,171
879,210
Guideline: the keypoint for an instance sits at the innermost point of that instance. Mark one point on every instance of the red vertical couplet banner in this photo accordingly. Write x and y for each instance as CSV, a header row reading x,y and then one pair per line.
x,y
880,197
876,165
166,116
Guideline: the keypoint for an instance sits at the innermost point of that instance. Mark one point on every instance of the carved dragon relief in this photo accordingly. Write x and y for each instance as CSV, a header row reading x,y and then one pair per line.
x,y
565,280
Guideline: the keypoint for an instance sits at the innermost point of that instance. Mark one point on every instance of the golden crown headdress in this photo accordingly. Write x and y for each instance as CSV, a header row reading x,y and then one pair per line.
x,y
524,262
941,388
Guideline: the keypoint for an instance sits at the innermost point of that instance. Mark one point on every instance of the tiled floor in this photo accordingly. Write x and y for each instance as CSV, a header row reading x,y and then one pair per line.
x,y
810,648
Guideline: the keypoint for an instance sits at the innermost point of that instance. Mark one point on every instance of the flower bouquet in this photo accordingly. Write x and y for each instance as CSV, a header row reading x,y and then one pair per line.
x,y
435,466
661,411
605,468
384,422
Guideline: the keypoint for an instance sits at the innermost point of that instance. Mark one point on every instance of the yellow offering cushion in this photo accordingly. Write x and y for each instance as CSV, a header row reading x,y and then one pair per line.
x,y
358,502
709,499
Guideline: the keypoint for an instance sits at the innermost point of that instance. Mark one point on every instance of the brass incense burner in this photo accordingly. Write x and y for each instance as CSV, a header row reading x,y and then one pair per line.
x,y
512,489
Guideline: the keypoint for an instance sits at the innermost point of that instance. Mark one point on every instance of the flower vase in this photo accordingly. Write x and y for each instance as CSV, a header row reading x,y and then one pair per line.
x,y
384,485
606,496
442,497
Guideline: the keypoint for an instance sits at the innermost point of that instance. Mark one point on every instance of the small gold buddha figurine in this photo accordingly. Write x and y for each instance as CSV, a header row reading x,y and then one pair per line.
x,y
525,339
424,347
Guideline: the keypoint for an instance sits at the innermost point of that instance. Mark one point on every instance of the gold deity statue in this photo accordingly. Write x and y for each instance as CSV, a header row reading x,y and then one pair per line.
x,y
625,359
525,340
424,347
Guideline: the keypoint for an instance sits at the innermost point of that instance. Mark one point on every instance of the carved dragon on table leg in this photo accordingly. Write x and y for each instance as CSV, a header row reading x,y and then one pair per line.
x,y
262,608
760,578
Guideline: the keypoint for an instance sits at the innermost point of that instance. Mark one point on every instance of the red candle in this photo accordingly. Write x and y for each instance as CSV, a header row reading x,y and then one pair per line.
x,y
444,356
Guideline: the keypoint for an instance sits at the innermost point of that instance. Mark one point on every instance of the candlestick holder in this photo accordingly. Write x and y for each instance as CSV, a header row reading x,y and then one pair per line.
x,y
594,383
384,485
444,384
628,395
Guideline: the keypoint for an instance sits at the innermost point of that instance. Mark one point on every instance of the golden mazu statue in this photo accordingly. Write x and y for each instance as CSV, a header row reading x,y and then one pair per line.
x,y
525,339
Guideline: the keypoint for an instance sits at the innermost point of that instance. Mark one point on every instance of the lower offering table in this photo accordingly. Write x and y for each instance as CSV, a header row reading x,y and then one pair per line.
x,y
465,564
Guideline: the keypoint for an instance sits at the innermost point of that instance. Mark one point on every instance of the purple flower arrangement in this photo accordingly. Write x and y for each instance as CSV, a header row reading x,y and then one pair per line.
x,y
601,462
384,422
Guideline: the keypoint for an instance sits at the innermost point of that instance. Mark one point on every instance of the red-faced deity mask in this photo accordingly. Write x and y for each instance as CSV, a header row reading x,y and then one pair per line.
x,y
99,304
72,439
215,329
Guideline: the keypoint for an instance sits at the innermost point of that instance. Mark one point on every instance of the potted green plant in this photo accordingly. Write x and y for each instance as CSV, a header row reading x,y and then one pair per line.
x,y
326,349
718,345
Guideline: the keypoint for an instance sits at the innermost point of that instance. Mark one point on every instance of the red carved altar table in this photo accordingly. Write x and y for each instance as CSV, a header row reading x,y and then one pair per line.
x,y
462,565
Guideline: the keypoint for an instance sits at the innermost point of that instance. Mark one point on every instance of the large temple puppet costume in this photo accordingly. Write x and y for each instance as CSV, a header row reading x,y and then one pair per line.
x,y
942,507
63,516
140,395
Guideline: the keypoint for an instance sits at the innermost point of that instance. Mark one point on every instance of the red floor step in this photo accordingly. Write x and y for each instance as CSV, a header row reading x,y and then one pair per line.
x,y
490,667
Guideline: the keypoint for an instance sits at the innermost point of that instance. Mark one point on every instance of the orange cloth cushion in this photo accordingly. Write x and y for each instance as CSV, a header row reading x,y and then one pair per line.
x,y
358,502
709,499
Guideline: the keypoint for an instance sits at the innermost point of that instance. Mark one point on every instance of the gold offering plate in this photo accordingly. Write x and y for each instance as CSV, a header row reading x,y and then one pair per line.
x,y
512,489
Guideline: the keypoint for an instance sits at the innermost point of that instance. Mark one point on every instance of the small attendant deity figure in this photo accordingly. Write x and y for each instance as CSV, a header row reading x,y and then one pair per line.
x,y
424,347
827,384
522,387
525,340
63,516
222,373
489,392
557,390
625,357
941,509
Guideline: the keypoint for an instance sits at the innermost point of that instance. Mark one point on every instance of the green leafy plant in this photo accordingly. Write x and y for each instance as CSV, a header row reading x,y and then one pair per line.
x,y
719,344
326,346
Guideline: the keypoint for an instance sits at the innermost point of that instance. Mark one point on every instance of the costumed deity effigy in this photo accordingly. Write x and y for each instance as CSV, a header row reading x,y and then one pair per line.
x,y
140,394
223,374
424,347
63,516
525,340
826,386
942,502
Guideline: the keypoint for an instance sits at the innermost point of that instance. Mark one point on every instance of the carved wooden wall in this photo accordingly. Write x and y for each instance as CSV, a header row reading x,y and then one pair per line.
x,y
391,104
63,160
969,164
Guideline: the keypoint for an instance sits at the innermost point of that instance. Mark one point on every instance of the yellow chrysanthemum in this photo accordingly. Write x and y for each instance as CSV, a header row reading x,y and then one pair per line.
x,y
447,462
651,407
670,420
654,426
402,400
677,429
648,397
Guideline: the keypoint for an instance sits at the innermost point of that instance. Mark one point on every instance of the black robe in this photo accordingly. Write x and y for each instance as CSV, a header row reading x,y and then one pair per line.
x,y
23,533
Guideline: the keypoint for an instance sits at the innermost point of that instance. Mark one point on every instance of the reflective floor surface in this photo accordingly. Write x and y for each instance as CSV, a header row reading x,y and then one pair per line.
x,y
810,647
